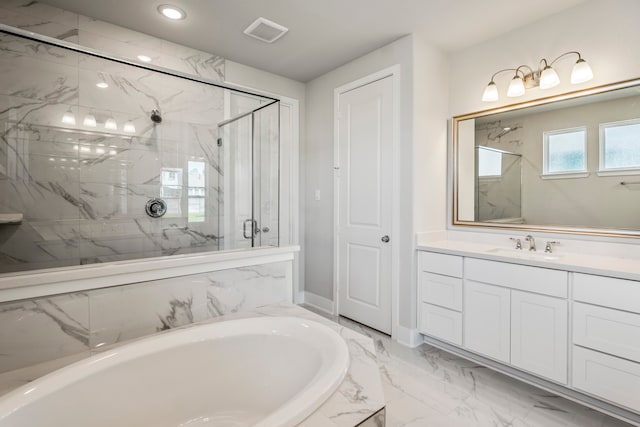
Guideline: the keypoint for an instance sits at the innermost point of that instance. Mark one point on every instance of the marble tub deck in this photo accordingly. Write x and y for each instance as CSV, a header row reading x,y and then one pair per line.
x,y
358,400
428,387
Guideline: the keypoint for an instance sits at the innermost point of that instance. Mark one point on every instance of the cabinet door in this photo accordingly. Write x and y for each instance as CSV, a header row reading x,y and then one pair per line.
x,y
486,320
539,335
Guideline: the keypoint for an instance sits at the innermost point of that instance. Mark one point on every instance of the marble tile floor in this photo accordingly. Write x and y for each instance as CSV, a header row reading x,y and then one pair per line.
x,y
428,387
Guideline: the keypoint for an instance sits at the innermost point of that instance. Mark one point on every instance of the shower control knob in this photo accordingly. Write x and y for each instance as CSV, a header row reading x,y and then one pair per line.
x,y
155,208
385,239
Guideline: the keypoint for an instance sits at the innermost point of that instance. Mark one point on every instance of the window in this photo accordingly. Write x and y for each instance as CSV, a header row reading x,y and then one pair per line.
x,y
196,191
489,163
171,190
620,146
565,152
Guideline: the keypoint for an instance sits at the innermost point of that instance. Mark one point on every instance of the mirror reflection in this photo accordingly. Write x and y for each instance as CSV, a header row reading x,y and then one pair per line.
x,y
568,163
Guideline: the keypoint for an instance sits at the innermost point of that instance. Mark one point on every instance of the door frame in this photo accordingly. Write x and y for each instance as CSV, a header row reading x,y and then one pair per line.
x,y
394,73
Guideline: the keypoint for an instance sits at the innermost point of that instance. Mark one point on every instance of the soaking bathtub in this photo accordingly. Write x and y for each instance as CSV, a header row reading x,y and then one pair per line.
x,y
266,371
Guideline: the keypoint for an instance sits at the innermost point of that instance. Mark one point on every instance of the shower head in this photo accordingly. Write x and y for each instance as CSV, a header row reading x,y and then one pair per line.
x,y
155,116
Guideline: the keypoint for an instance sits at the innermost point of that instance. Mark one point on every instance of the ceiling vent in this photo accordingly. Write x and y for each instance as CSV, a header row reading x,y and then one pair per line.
x,y
265,30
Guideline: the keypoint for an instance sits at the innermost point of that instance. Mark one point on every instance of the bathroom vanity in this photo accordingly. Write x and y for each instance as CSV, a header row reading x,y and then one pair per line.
x,y
568,323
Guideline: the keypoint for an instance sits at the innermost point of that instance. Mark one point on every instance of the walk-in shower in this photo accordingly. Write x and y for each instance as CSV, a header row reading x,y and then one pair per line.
x,y
498,185
108,160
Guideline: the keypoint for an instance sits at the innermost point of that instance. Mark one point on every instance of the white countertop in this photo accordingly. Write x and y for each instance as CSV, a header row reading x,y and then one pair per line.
x,y
359,396
624,268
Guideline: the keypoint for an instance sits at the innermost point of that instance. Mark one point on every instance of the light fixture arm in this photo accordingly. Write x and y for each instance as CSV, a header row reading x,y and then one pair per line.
x,y
503,70
565,54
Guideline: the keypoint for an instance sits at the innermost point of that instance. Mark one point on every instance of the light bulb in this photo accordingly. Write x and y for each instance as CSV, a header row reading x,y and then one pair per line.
x,y
581,72
129,127
111,124
89,121
516,87
144,58
69,118
549,78
102,85
490,92
171,12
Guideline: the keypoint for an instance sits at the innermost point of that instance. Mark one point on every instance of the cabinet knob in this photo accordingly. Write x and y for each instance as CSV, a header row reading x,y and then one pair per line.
x,y
385,239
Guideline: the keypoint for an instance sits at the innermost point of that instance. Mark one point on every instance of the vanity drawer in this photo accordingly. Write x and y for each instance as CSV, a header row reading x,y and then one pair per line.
x,y
608,377
449,265
610,331
441,323
607,291
444,291
522,277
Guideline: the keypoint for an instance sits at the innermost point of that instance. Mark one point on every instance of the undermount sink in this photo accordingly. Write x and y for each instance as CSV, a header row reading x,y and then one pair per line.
x,y
524,254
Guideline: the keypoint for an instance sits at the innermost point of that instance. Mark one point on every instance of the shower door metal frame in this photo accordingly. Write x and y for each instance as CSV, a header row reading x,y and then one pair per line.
x,y
254,180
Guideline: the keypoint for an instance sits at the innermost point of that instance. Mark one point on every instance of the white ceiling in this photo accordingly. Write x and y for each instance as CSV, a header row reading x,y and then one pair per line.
x,y
323,34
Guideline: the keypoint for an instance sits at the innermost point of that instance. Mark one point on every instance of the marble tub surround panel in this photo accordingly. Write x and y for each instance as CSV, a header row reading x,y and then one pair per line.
x,y
111,39
123,313
43,329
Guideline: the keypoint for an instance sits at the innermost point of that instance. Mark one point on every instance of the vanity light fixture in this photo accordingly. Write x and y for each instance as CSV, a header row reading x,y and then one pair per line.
x,y
68,118
545,77
90,121
129,127
172,12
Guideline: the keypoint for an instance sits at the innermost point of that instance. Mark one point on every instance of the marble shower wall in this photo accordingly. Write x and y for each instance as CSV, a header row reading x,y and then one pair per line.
x,y
82,190
50,328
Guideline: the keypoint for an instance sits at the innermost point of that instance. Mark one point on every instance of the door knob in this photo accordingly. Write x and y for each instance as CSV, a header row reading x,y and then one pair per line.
x,y
385,239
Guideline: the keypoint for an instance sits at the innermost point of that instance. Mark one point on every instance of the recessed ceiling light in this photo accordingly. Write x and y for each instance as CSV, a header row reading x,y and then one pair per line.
x,y
102,85
144,58
171,12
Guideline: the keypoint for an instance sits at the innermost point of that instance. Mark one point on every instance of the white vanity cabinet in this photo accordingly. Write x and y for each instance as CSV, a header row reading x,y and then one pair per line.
x,y
440,296
575,333
606,338
525,329
487,320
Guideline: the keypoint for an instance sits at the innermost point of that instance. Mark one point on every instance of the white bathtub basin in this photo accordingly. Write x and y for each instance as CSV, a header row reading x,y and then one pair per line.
x,y
267,371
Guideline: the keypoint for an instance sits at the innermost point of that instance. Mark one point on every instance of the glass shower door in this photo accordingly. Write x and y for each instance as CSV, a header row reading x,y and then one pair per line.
x,y
249,193
236,189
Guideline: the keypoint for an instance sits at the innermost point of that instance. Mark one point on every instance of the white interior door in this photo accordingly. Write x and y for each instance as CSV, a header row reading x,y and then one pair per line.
x,y
365,179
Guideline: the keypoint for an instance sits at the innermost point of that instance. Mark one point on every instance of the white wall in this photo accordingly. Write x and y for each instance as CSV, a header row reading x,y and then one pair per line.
x,y
318,167
606,32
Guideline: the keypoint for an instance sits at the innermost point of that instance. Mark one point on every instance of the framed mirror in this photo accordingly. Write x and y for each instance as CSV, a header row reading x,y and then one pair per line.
x,y
567,163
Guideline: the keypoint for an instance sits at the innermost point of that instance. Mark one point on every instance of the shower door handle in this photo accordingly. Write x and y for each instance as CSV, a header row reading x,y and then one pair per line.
x,y
244,228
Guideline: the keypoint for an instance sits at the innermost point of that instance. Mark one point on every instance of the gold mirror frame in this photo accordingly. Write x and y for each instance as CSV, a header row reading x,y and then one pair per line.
x,y
605,232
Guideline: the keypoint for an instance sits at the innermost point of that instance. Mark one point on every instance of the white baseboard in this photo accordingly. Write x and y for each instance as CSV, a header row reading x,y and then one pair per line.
x,y
409,337
298,297
319,303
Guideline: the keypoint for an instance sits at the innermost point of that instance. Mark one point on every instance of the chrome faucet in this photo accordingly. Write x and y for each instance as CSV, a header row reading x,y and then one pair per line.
x,y
518,242
549,247
532,242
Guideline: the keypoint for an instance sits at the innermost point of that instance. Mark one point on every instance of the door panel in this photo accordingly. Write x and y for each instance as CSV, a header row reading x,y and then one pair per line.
x,y
365,133
487,320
